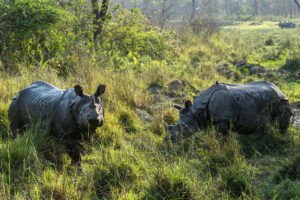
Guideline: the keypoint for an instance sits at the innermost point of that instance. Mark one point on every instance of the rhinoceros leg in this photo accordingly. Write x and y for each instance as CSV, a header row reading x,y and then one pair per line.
x,y
284,117
74,151
221,111
223,127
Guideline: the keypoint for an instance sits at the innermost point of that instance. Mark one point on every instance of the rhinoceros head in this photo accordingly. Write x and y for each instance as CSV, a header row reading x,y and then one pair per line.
x,y
87,109
186,125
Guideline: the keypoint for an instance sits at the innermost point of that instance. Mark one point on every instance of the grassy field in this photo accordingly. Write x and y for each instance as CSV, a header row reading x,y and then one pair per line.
x,y
128,158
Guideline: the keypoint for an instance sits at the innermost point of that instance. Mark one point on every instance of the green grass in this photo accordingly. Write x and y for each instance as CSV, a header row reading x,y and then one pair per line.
x,y
128,158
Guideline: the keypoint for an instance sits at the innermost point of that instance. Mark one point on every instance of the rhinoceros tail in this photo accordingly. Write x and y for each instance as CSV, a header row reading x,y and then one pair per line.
x,y
14,116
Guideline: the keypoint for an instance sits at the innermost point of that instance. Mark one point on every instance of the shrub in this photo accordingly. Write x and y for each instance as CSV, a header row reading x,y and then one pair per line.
x,y
165,187
269,142
269,42
286,190
290,169
115,175
237,76
235,181
127,121
170,116
26,29
131,35
205,26
21,157
293,65
4,124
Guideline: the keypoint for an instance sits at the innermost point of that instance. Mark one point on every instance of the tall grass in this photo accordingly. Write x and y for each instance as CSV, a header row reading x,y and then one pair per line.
x,y
128,158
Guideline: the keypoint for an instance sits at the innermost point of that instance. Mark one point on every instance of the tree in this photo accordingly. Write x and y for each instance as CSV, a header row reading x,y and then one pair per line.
x,y
165,12
255,7
193,10
297,3
99,17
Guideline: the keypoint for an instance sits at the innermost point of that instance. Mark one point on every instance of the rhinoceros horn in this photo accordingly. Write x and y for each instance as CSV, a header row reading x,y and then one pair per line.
x,y
177,107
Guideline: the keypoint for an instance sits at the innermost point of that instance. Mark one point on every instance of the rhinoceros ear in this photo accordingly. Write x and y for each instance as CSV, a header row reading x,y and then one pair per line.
x,y
188,104
177,107
78,90
100,90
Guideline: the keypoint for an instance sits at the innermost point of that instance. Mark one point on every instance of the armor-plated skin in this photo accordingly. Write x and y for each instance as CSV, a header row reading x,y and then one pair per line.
x,y
72,115
248,107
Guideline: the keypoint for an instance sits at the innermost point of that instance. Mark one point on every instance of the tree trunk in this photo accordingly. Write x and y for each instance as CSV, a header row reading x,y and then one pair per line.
x,y
297,3
237,9
255,8
99,18
193,11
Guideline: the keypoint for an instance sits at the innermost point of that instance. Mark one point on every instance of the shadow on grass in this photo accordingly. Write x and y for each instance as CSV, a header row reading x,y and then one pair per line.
x,y
269,142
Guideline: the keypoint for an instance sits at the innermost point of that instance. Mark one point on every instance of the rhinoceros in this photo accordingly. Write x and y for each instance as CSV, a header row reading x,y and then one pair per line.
x,y
72,115
247,107
287,25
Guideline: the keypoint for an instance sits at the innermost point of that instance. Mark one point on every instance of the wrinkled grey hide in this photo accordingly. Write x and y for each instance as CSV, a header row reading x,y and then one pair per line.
x,y
72,115
248,107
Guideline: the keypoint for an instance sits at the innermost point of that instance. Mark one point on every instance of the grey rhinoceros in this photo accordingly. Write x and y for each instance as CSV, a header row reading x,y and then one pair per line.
x,y
287,25
71,114
247,107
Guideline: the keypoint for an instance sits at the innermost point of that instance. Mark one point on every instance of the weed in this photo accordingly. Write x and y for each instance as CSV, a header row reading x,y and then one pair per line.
x,y
269,42
235,182
286,190
269,142
293,65
170,117
165,187
115,175
290,170
4,124
127,121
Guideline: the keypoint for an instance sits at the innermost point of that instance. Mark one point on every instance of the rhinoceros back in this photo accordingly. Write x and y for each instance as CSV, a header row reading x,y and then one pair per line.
x,y
243,104
254,104
261,91
38,100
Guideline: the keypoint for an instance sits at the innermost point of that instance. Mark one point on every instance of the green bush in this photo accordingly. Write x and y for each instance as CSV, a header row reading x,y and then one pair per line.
x,y
286,190
115,175
236,182
27,29
4,124
269,142
165,187
293,65
130,35
127,121
19,158
290,169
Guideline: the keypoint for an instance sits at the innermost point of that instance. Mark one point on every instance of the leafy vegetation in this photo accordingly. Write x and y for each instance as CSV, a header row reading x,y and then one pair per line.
x,y
128,158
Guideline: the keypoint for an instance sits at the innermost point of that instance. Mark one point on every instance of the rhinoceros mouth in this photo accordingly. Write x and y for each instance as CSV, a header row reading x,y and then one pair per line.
x,y
95,123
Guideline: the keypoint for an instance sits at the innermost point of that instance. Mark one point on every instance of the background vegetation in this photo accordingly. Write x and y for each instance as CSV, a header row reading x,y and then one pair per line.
x,y
146,69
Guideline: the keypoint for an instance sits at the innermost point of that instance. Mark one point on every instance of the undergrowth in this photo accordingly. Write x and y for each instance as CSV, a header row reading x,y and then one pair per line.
x,y
128,157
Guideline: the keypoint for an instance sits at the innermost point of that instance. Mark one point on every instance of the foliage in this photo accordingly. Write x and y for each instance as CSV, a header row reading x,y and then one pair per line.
x,y
205,26
26,29
166,188
290,169
4,124
130,35
128,158
235,182
293,65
